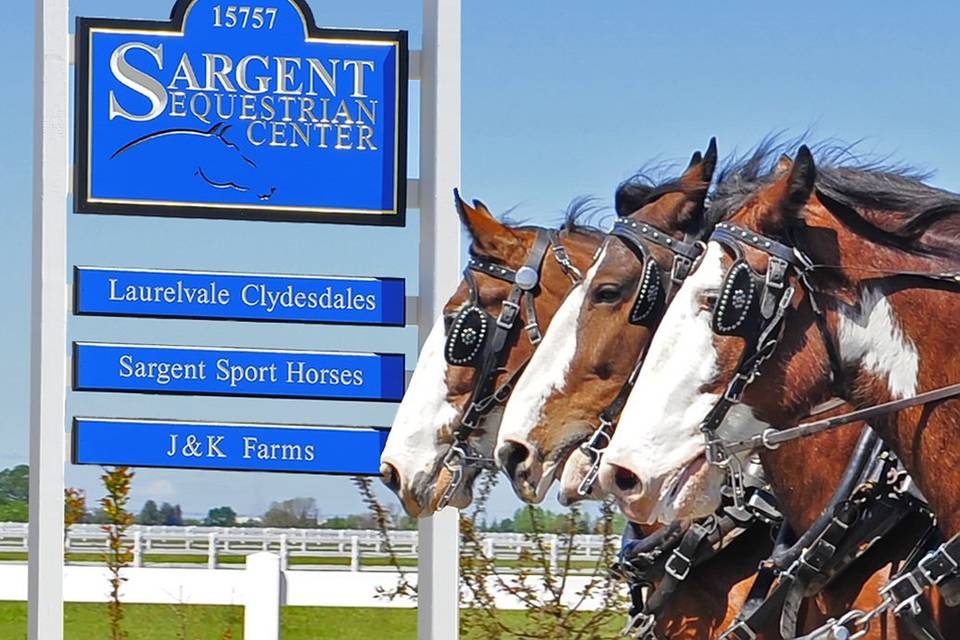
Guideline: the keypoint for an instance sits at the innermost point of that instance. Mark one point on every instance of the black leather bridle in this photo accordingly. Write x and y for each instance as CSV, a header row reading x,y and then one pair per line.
x,y
653,293
479,340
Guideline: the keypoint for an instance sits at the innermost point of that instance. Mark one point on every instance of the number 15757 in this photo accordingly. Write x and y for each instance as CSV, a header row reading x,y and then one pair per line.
x,y
243,17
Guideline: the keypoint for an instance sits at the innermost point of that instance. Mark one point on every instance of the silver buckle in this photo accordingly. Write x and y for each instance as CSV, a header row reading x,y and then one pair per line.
x,y
680,269
640,626
680,576
776,272
508,314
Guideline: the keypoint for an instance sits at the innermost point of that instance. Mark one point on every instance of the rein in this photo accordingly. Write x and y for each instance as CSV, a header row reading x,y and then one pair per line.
x,y
652,296
477,339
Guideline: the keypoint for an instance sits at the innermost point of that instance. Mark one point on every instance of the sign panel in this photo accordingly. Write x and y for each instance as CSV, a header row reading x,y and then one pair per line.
x,y
237,372
228,446
241,111
238,296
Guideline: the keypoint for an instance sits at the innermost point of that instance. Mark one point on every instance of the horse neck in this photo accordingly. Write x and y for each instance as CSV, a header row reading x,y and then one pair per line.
x,y
894,340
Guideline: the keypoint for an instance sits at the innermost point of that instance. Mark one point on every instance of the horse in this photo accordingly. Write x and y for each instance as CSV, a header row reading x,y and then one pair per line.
x,y
596,339
734,355
444,431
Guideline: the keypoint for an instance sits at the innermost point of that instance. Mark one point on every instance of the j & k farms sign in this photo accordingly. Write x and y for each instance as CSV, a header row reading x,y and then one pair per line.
x,y
241,111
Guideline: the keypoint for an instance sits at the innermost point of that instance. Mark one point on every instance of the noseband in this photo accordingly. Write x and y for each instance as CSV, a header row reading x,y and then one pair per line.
x,y
477,339
652,294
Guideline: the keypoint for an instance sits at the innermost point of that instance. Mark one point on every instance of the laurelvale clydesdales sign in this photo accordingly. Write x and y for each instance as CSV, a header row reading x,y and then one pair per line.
x,y
241,111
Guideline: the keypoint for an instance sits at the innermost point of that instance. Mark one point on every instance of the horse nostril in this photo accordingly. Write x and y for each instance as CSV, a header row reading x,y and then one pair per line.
x,y
390,477
511,455
624,479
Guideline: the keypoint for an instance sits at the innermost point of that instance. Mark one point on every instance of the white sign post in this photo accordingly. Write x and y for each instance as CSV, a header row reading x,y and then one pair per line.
x,y
439,576
48,375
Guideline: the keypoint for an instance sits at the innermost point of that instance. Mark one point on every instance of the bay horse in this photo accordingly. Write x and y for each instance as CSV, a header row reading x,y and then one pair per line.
x,y
516,276
850,323
592,345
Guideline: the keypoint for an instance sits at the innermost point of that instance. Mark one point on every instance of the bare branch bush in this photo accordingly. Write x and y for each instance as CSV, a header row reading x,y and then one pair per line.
x,y
539,578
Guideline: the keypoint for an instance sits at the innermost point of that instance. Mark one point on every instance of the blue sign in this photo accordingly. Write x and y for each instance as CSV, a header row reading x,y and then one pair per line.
x,y
237,372
228,447
242,112
238,296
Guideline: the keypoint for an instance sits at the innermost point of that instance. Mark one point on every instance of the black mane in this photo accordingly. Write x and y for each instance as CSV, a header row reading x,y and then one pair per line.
x,y
888,202
647,186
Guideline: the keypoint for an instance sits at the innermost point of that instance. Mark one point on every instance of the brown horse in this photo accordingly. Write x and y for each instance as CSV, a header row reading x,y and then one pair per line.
x,y
592,346
868,226
434,406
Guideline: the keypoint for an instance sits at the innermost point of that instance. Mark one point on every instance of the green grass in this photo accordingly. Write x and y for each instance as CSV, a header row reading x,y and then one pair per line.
x,y
199,622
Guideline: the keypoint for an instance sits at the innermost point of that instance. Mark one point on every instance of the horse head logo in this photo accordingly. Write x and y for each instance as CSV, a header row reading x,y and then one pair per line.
x,y
206,156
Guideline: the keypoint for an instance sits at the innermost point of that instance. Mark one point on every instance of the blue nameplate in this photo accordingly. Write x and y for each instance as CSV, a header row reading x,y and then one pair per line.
x,y
238,296
227,446
237,372
241,111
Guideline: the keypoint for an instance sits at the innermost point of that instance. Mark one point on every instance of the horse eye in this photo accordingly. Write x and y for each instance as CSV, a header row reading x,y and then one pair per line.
x,y
709,299
607,294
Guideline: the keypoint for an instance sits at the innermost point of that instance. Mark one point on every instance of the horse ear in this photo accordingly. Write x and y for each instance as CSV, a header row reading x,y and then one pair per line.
x,y
490,236
789,194
784,164
709,164
700,170
697,179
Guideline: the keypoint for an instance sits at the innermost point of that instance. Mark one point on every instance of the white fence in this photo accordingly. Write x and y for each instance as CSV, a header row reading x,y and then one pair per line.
x,y
330,545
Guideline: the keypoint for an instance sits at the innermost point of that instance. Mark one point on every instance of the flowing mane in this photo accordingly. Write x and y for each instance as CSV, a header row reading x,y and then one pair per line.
x,y
646,186
888,203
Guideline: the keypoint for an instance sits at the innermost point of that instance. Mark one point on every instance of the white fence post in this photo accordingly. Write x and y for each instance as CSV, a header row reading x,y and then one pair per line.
x,y
212,550
554,544
284,553
137,549
48,318
439,542
354,553
488,548
261,616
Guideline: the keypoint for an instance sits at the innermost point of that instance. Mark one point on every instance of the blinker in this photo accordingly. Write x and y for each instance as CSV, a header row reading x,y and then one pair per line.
x,y
467,336
650,296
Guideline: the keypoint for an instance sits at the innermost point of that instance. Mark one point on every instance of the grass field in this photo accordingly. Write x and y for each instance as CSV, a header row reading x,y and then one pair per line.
x,y
196,622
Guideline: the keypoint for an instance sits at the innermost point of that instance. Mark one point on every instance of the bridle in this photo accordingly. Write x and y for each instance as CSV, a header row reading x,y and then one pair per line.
x,y
653,293
755,306
477,339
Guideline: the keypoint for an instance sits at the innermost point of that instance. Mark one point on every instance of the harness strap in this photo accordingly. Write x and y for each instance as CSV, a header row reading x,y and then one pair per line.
x,y
699,543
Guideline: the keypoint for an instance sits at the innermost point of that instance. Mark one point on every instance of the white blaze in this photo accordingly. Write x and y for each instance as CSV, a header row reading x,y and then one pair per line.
x,y
412,444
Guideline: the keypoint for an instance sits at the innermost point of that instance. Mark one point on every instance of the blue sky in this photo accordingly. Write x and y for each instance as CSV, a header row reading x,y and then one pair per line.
x,y
559,99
